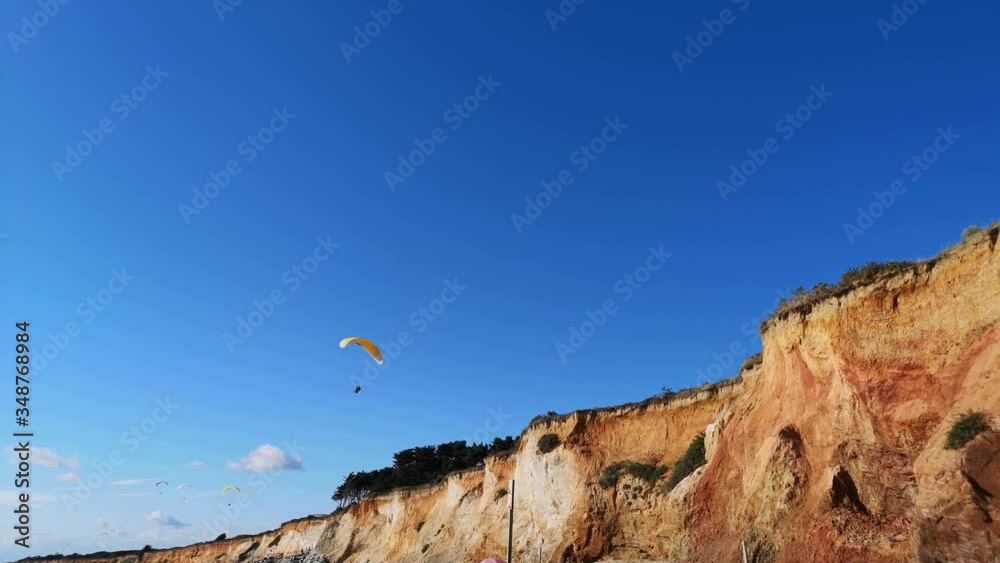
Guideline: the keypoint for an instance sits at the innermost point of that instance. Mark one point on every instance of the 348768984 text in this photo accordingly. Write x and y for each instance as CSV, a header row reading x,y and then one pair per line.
x,y
22,452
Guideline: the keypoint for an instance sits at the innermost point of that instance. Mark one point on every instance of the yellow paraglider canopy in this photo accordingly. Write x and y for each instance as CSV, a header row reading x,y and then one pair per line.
x,y
368,345
233,487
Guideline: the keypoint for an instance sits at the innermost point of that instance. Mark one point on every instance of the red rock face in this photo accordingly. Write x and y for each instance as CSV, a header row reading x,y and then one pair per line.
x,y
833,449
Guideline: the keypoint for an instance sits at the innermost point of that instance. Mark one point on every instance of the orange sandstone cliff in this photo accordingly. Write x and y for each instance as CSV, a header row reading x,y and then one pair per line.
x,y
831,449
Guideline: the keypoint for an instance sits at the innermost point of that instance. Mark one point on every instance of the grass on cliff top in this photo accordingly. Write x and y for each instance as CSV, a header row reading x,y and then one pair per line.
x,y
752,362
692,459
966,427
803,301
666,396
647,472
971,231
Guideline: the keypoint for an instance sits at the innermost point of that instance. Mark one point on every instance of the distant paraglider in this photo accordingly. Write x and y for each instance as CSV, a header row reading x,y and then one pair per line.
x,y
368,345
357,389
184,486
231,487
158,483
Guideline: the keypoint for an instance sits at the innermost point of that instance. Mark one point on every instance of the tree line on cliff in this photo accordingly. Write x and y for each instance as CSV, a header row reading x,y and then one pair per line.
x,y
418,466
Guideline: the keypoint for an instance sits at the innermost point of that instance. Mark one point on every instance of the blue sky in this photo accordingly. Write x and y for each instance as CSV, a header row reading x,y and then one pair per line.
x,y
200,89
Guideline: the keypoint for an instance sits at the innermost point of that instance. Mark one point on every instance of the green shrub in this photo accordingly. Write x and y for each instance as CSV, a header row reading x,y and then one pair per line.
x,y
547,443
971,231
692,459
646,472
965,428
609,477
649,473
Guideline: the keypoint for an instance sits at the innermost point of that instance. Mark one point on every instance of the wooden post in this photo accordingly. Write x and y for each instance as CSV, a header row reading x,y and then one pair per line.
x,y
510,526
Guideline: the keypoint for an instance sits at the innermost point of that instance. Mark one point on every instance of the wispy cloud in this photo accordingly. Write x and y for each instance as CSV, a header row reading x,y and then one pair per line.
x,y
132,495
128,482
71,476
196,464
161,519
152,536
12,498
266,458
46,457
101,522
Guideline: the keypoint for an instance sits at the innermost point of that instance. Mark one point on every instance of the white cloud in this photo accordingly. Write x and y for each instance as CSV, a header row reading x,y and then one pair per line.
x,y
266,458
195,464
161,519
101,522
68,477
128,482
46,457
132,495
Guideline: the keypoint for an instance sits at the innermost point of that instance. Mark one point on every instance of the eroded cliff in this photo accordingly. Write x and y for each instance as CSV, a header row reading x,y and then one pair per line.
x,y
831,449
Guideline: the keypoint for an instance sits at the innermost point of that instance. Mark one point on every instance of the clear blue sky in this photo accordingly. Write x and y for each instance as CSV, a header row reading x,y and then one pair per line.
x,y
323,175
